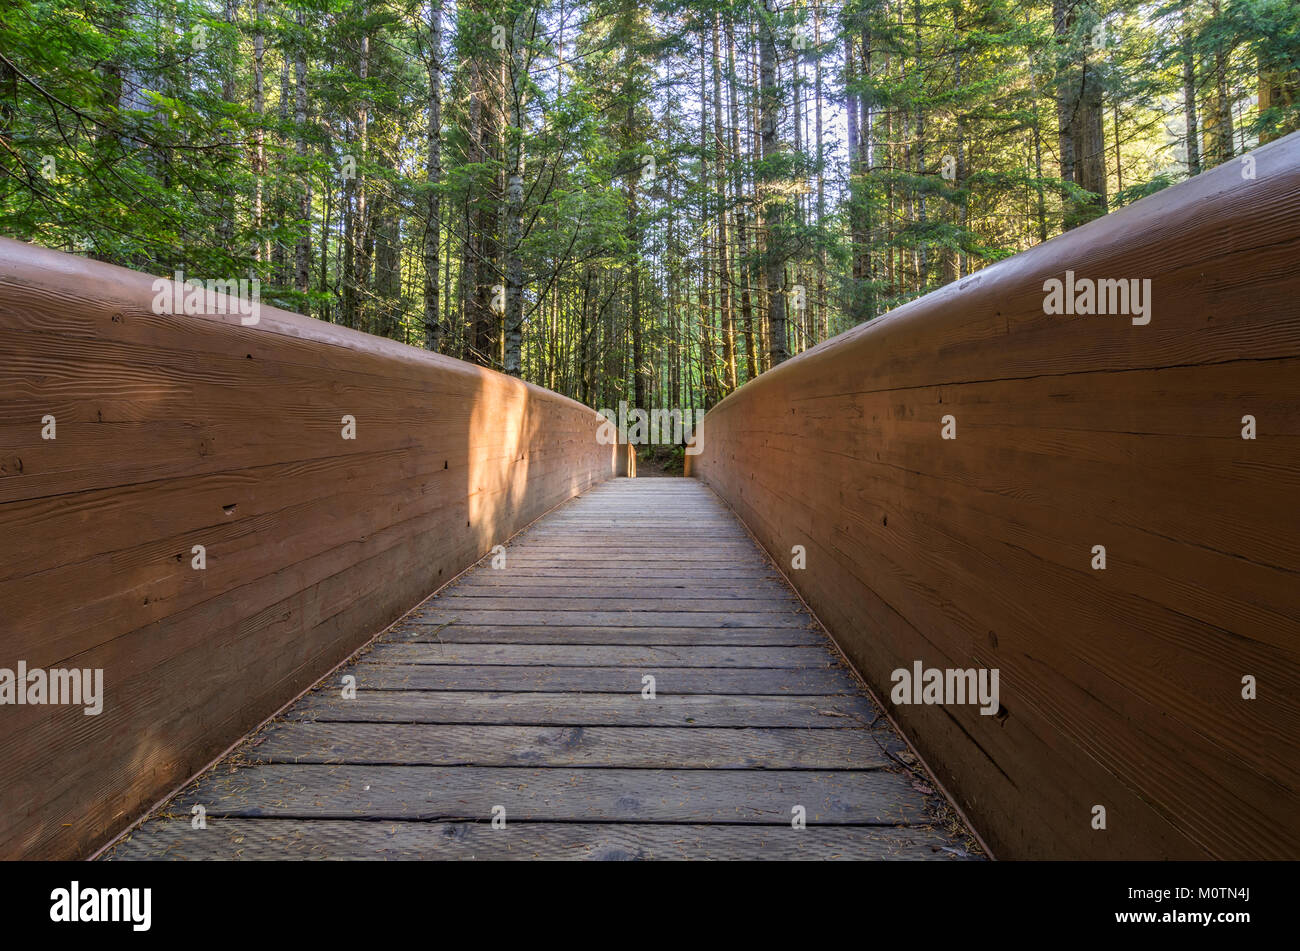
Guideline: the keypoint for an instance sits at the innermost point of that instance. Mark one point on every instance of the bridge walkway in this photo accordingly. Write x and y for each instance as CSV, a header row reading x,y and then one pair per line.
x,y
513,716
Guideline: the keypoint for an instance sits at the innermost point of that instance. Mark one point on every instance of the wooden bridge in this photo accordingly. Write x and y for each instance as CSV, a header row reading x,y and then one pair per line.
x,y
349,599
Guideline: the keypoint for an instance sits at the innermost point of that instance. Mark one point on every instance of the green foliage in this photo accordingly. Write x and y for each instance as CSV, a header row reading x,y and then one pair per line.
x,y
132,131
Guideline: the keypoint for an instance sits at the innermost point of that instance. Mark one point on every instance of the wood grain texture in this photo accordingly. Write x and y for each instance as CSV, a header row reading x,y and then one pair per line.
x,y
551,722
420,631
693,747
616,655
175,431
593,794
630,747
801,681
1120,687
563,709
347,840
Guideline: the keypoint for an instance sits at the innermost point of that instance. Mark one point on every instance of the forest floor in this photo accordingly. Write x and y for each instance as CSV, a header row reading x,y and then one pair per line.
x,y
660,461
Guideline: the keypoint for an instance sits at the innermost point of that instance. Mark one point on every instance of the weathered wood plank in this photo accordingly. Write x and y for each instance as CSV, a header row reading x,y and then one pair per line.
x,y
614,619
566,587
585,709
617,655
340,839
561,605
419,631
635,747
440,793
579,562
650,573
668,680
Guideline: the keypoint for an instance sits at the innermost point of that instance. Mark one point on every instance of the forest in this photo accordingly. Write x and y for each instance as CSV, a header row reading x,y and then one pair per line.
x,y
644,201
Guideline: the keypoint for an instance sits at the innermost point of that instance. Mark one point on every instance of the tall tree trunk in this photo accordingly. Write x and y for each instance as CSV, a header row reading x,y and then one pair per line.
x,y
773,210
1193,138
326,222
923,259
433,328
226,221
1090,145
953,262
514,315
484,245
739,201
1041,206
708,358
1080,116
356,268
302,252
851,102
387,242
865,306
632,136
259,133
471,298
1218,120
639,381
720,195
892,269
279,198
823,319
361,227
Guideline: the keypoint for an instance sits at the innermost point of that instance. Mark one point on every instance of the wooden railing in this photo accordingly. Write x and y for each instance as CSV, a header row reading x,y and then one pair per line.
x,y
1124,688
186,440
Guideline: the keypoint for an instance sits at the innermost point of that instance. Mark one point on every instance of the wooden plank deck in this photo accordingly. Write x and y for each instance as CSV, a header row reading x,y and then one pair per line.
x,y
520,688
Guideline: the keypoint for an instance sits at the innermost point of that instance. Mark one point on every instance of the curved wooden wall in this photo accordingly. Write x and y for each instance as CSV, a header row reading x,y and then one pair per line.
x,y
1120,687
180,431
